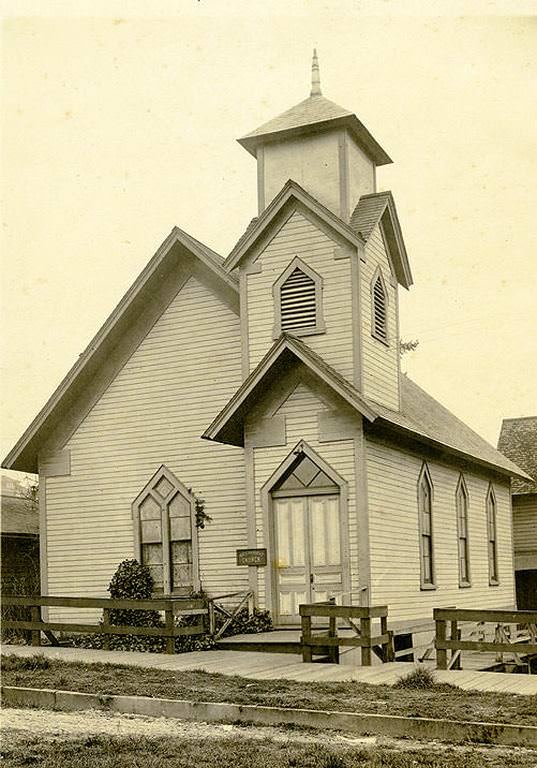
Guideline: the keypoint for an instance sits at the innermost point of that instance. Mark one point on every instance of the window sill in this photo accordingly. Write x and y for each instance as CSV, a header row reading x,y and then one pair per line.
x,y
427,587
316,331
379,338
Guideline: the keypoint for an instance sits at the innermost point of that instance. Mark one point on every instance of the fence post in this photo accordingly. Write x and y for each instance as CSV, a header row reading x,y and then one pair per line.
x,y
441,653
333,650
365,631
454,635
307,655
106,622
170,639
388,644
212,618
251,604
35,613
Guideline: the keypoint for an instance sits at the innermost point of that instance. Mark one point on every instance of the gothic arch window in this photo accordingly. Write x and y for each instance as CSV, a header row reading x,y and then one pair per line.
x,y
425,517
491,536
379,307
298,301
461,503
165,533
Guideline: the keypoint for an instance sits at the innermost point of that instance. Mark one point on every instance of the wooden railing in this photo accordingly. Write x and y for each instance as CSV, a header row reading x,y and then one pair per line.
x,y
245,599
328,643
171,607
524,630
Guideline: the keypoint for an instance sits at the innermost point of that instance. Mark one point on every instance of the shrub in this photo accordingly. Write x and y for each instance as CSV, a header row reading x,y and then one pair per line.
x,y
243,624
132,581
421,678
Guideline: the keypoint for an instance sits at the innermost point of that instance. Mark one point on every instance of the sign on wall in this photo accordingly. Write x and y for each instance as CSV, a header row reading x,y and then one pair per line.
x,y
251,556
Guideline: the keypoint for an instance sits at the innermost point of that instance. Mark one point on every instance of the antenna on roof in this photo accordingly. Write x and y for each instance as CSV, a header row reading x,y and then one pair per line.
x,y
315,76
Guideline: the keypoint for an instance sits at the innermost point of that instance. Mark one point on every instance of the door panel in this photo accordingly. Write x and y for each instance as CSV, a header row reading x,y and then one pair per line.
x,y
291,573
308,559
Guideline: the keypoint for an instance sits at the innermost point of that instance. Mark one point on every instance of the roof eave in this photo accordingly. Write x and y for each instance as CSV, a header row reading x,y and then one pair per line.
x,y
446,448
251,142
22,457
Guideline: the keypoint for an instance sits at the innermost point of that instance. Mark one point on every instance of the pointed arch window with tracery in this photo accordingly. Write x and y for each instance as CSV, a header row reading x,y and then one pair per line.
x,y
165,533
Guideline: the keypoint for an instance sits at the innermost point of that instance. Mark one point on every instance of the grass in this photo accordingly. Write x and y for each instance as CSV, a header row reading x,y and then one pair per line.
x,y
439,701
241,752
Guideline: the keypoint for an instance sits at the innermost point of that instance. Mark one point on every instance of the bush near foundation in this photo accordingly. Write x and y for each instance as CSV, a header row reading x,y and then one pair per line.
x,y
133,581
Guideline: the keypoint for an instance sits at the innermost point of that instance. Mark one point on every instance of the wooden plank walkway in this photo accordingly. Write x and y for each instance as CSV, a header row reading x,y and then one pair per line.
x,y
276,666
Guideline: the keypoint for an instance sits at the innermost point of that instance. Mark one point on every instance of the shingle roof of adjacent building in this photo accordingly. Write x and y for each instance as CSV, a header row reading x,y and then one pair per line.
x,y
314,113
19,515
518,441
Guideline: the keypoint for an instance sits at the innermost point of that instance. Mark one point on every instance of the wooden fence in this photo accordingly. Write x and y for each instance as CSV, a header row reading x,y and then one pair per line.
x,y
171,607
328,643
524,625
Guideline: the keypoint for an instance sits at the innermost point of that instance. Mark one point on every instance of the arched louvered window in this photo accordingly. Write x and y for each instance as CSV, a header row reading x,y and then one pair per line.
x,y
379,308
425,513
298,301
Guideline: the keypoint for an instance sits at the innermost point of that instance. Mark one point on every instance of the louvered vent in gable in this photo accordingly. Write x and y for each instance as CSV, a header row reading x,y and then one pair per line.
x,y
298,306
298,300
379,309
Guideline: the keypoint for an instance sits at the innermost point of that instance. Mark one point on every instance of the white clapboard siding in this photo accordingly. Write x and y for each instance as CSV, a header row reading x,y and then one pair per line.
x,y
525,523
153,413
380,363
301,410
299,237
392,476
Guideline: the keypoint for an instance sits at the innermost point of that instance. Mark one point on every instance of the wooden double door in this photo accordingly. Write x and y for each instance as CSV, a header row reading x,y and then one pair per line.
x,y
308,562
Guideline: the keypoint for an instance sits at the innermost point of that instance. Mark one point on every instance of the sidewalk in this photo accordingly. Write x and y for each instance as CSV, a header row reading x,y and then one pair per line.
x,y
274,666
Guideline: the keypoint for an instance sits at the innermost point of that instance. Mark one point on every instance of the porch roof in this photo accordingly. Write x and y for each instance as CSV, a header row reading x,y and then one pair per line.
x,y
227,427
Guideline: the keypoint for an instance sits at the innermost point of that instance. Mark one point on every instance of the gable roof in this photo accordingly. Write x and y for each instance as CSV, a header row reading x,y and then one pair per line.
x,y
425,418
177,247
421,416
315,113
227,427
518,441
379,207
290,193
19,515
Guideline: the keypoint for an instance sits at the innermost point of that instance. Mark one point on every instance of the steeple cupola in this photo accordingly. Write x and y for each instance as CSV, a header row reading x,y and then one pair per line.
x,y
320,145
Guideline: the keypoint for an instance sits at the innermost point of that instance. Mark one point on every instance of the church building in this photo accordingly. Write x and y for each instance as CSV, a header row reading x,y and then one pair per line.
x,y
266,388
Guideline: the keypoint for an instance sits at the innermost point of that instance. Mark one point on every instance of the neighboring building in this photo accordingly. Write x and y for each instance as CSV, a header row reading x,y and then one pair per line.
x,y
20,539
285,357
518,441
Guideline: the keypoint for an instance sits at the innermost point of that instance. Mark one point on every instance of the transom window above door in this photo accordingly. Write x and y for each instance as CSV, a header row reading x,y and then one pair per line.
x,y
305,475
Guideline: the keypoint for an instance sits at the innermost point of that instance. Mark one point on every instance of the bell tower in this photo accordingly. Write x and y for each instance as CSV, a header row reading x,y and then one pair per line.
x,y
320,145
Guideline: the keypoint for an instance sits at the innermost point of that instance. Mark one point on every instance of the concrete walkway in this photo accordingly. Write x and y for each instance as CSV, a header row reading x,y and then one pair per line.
x,y
274,666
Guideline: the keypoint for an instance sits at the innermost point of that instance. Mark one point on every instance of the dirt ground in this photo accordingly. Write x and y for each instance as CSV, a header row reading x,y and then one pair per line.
x,y
19,724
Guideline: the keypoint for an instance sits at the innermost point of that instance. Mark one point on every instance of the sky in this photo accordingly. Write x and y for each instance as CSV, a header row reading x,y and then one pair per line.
x,y
119,120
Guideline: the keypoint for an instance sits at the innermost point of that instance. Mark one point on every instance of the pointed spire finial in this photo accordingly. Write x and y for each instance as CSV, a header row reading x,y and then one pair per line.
x,y
315,76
